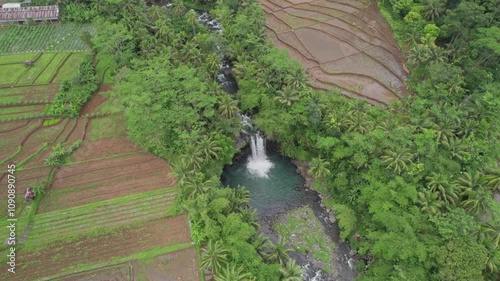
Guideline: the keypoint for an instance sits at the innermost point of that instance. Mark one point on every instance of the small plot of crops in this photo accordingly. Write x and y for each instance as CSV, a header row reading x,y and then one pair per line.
x,y
32,72
9,73
101,216
306,234
40,38
91,252
70,67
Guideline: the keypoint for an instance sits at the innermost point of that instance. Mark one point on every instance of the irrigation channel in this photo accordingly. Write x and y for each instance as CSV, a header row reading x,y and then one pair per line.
x,y
276,187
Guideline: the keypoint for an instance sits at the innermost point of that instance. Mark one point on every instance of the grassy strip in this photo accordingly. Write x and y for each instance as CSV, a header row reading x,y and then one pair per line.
x,y
10,74
47,76
50,122
117,260
70,67
17,58
23,117
44,68
34,154
19,149
92,207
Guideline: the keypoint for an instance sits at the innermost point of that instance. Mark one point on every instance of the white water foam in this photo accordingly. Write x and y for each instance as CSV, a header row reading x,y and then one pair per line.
x,y
258,164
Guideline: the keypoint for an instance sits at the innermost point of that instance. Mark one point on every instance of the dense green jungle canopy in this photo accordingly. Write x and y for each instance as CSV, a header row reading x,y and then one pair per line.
x,y
414,182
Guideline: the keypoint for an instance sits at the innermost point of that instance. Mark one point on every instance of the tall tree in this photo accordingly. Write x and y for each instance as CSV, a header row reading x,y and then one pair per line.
x,y
214,256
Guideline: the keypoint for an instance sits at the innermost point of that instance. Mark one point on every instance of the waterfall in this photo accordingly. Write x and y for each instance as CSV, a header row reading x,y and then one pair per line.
x,y
258,164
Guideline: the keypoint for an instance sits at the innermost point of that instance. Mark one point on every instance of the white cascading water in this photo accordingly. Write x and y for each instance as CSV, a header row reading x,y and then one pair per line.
x,y
258,164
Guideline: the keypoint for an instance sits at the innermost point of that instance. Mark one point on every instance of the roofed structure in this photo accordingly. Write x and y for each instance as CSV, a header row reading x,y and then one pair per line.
x,y
33,12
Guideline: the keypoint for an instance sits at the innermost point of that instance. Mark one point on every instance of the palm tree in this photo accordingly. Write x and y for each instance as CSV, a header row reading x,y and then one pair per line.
x,y
287,96
228,107
421,122
296,79
477,203
490,232
178,7
279,252
456,85
232,273
357,122
196,185
193,156
470,183
213,64
214,256
447,190
457,149
250,217
319,168
397,160
291,271
418,54
493,178
181,170
429,203
209,148
192,19
239,199
433,9
412,35
445,130
261,243
493,259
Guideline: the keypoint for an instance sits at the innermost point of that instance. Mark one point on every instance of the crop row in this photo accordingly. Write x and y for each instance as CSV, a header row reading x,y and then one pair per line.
x,y
39,38
102,215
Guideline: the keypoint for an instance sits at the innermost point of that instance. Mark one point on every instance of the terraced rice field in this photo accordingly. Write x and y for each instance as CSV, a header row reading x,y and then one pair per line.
x,y
26,91
91,252
109,212
342,44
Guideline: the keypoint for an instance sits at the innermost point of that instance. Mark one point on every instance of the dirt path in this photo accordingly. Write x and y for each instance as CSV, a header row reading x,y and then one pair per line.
x,y
344,45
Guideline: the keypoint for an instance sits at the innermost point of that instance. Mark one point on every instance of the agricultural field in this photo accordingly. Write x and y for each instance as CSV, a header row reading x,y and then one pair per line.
x,y
25,91
107,200
43,38
342,44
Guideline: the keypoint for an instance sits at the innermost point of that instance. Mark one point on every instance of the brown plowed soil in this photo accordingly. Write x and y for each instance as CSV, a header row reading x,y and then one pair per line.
x,y
343,44
49,261
180,265
115,273
103,148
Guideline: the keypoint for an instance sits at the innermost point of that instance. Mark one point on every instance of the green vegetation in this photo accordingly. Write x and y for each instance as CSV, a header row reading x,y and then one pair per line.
x,y
74,94
108,127
9,73
60,153
43,38
52,121
301,229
